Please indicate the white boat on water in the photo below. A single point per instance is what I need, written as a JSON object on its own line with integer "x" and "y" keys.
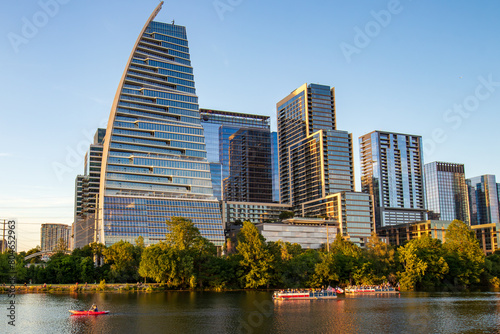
{"x": 371, "y": 289}
{"x": 304, "y": 294}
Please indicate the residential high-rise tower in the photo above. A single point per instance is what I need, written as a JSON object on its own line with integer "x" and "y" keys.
{"x": 315, "y": 159}
{"x": 51, "y": 234}
{"x": 392, "y": 171}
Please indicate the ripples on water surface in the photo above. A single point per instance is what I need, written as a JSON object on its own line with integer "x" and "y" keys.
{"x": 254, "y": 312}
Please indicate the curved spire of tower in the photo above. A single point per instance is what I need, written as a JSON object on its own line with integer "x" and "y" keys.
{"x": 154, "y": 164}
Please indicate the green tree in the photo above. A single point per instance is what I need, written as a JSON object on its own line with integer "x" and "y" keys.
{"x": 166, "y": 264}
{"x": 87, "y": 270}
{"x": 122, "y": 257}
{"x": 326, "y": 272}
{"x": 286, "y": 214}
{"x": 183, "y": 234}
{"x": 463, "y": 254}
{"x": 220, "y": 272}
{"x": 185, "y": 237}
{"x": 97, "y": 252}
{"x": 347, "y": 257}
{"x": 283, "y": 253}
{"x": 256, "y": 262}
{"x": 61, "y": 246}
{"x": 382, "y": 258}
{"x": 424, "y": 263}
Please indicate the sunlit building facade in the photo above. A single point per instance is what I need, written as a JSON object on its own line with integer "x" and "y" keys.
{"x": 315, "y": 159}
{"x": 155, "y": 162}
{"x": 400, "y": 234}
{"x": 52, "y": 234}
{"x": 483, "y": 197}
{"x": 353, "y": 212}
{"x": 446, "y": 190}
{"x": 238, "y": 212}
{"x": 392, "y": 172}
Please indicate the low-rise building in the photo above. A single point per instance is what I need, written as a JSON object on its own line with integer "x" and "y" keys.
{"x": 312, "y": 233}
{"x": 352, "y": 210}
{"x": 237, "y": 212}
{"x": 399, "y": 235}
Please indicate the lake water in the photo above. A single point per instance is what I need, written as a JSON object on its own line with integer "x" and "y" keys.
{"x": 254, "y": 312}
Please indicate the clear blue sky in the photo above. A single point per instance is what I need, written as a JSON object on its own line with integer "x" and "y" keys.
{"x": 415, "y": 69}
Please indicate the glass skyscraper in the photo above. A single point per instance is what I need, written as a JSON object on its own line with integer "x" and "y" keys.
{"x": 446, "y": 190}
{"x": 250, "y": 169}
{"x": 219, "y": 126}
{"x": 275, "y": 166}
{"x": 315, "y": 159}
{"x": 86, "y": 193}
{"x": 154, "y": 160}
{"x": 392, "y": 171}
{"x": 484, "y": 198}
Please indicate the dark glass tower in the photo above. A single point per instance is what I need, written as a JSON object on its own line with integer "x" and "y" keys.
{"x": 250, "y": 170}
{"x": 219, "y": 126}
{"x": 155, "y": 161}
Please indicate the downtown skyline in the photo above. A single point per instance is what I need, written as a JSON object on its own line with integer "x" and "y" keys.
{"x": 425, "y": 73}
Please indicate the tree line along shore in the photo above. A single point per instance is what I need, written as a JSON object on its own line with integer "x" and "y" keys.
{"x": 186, "y": 260}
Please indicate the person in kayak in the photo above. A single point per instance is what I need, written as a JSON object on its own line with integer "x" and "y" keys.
{"x": 94, "y": 308}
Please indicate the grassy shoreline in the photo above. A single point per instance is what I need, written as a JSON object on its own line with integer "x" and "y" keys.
{"x": 83, "y": 288}
{"x": 108, "y": 287}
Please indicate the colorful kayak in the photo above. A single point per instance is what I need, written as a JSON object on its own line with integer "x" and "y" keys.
{"x": 81, "y": 312}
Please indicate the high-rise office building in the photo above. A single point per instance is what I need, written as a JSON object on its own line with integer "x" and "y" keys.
{"x": 155, "y": 163}
{"x": 51, "y": 234}
{"x": 219, "y": 126}
{"x": 86, "y": 192}
{"x": 250, "y": 169}
{"x": 446, "y": 190}
{"x": 483, "y": 197}
{"x": 275, "y": 166}
{"x": 392, "y": 172}
{"x": 315, "y": 159}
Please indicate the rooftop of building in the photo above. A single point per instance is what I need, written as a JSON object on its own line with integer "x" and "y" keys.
{"x": 232, "y": 113}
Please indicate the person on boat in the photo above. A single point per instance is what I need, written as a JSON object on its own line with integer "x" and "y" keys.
{"x": 94, "y": 308}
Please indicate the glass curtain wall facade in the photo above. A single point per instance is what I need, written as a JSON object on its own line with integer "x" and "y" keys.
{"x": 155, "y": 161}
{"x": 353, "y": 211}
{"x": 250, "y": 170}
{"x": 392, "y": 172}
{"x": 86, "y": 192}
{"x": 219, "y": 127}
{"x": 446, "y": 190}
{"x": 483, "y": 195}
{"x": 275, "y": 167}
{"x": 315, "y": 159}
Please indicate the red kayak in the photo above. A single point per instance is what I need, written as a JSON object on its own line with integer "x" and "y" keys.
{"x": 81, "y": 312}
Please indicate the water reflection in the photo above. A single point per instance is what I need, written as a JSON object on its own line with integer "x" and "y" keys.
{"x": 255, "y": 312}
